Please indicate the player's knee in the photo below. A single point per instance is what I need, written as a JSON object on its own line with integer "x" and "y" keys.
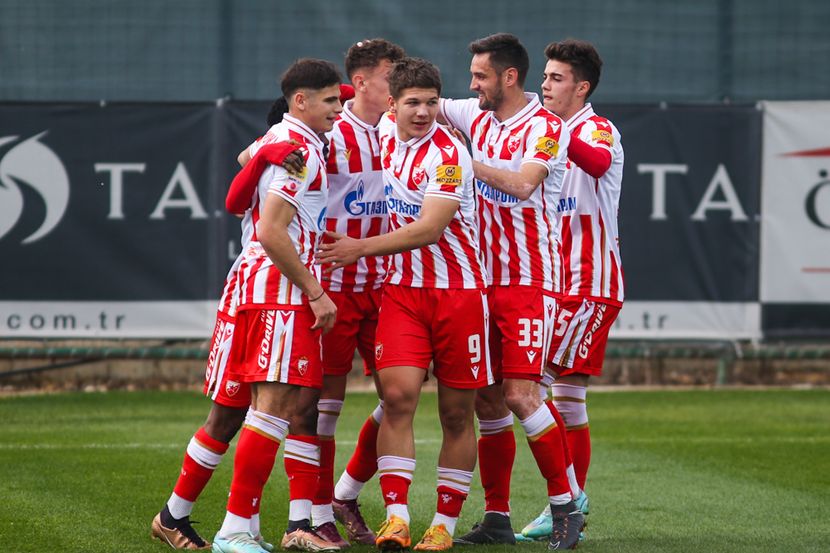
{"x": 456, "y": 419}
{"x": 399, "y": 401}
{"x": 224, "y": 422}
{"x": 520, "y": 402}
{"x": 490, "y": 406}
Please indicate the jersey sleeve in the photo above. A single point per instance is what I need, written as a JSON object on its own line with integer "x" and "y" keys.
{"x": 460, "y": 113}
{"x": 599, "y": 133}
{"x": 546, "y": 143}
{"x": 291, "y": 187}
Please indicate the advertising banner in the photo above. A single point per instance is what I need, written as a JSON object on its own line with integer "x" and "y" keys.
{"x": 112, "y": 220}
{"x": 795, "y": 229}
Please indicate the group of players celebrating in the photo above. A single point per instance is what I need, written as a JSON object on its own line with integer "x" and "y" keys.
{"x": 368, "y": 225}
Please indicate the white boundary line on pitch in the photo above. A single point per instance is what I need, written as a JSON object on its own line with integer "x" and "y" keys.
{"x": 181, "y": 445}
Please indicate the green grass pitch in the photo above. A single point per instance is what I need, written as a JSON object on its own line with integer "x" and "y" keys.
{"x": 733, "y": 471}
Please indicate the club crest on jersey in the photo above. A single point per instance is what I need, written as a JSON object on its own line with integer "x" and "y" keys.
{"x": 548, "y": 146}
{"x": 231, "y": 388}
{"x": 448, "y": 175}
{"x": 513, "y": 143}
{"x": 378, "y": 351}
{"x": 418, "y": 174}
{"x": 302, "y": 365}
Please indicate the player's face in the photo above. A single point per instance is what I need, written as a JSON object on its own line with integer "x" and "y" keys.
{"x": 560, "y": 89}
{"x": 373, "y": 84}
{"x": 486, "y": 82}
{"x": 415, "y": 111}
{"x": 321, "y": 108}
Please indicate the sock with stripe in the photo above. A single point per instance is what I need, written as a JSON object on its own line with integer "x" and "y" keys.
{"x": 560, "y": 424}
{"x": 547, "y": 447}
{"x": 302, "y": 466}
{"x": 395, "y": 479}
{"x": 453, "y": 488}
{"x": 329, "y": 411}
{"x": 202, "y": 456}
{"x": 256, "y": 452}
{"x": 570, "y": 402}
{"x": 496, "y": 453}
{"x": 363, "y": 463}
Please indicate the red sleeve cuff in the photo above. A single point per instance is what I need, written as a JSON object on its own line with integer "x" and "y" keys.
{"x": 592, "y": 160}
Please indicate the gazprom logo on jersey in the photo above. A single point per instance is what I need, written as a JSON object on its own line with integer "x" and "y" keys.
{"x": 355, "y": 205}
{"x": 396, "y": 205}
{"x": 321, "y": 220}
{"x": 494, "y": 195}
{"x": 566, "y": 204}
{"x": 30, "y": 163}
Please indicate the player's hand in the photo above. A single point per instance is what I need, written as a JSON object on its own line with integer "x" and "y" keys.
{"x": 286, "y": 154}
{"x": 325, "y": 312}
{"x": 338, "y": 250}
{"x": 458, "y": 134}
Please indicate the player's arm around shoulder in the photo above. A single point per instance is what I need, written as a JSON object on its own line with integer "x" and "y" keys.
{"x": 285, "y": 192}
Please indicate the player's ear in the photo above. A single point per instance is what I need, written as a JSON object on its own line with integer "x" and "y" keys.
{"x": 510, "y": 76}
{"x": 583, "y": 88}
{"x": 391, "y": 102}
{"x": 300, "y": 100}
{"x": 359, "y": 81}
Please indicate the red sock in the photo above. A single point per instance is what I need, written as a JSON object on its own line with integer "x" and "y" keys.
{"x": 563, "y": 432}
{"x": 548, "y": 450}
{"x": 579, "y": 442}
{"x": 325, "y": 485}
{"x": 450, "y": 501}
{"x": 252, "y": 464}
{"x": 302, "y": 465}
{"x": 395, "y": 489}
{"x": 194, "y": 476}
{"x": 364, "y": 461}
{"x": 496, "y": 453}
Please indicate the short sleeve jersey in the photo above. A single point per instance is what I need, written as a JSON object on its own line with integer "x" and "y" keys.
{"x": 435, "y": 165}
{"x": 518, "y": 237}
{"x": 588, "y": 210}
{"x": 357, "y": 207}
{"x": 261, "y": 285}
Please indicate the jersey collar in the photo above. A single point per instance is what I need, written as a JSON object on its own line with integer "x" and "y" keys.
{"x": 416, "y": 142}
{"x": 580, "y": 116}
{"x": 348, "y": 115}
{"x": 310, "y": 136}
{"x": 520, "y": 117}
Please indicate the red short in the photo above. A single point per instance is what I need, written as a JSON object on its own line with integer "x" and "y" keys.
{"x": 218, "y": 386}
{"x": 277, "y": 345}
{"x": 357, "y": 320}
{"x": 521, "y": 324}
{"x": 581, "y": 334}
{"x": 447, "y": 327}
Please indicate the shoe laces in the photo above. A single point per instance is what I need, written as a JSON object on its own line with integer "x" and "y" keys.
{"x": 185, "y": 526}
{"x": 433, "y": 535}
{"x": 559, "y": 526}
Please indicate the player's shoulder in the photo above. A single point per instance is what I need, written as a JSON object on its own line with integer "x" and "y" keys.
{"x": 447, "y": 142}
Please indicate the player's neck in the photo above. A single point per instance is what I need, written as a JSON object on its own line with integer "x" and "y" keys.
{"x": 513, "y": 103}
{"x": 361, "y": 109}
{"x": 569, "y": 112}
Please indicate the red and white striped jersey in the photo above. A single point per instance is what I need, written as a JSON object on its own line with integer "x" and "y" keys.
{"x": 261, "y": 285}
{"x": 436, "y": 164}
{"x": 588, "y": 210}
{"x": 518, "y": 237}
{"x": 356, "y": 206}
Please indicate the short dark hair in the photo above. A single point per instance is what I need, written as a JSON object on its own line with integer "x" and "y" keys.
{"x": 505, "y": 51}
{"x": 308, "y": 73}
{"x": 581, "y": 56}
{"x": 370, "y": 52}
{"x": 413, "y": 73}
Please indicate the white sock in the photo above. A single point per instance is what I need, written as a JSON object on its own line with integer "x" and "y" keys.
{"x": 399, "y": 510}
{"x": 448, "y": 522}
{"x": 321, "y": 514}
{"x": 179, "y": 507}
{"x": 347, "y": 488}
{"x": 560, "y": 499}
{"x": 255, "y": 530}
{"x": 299, "y": 509}
{"x": 234, "y": 524}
